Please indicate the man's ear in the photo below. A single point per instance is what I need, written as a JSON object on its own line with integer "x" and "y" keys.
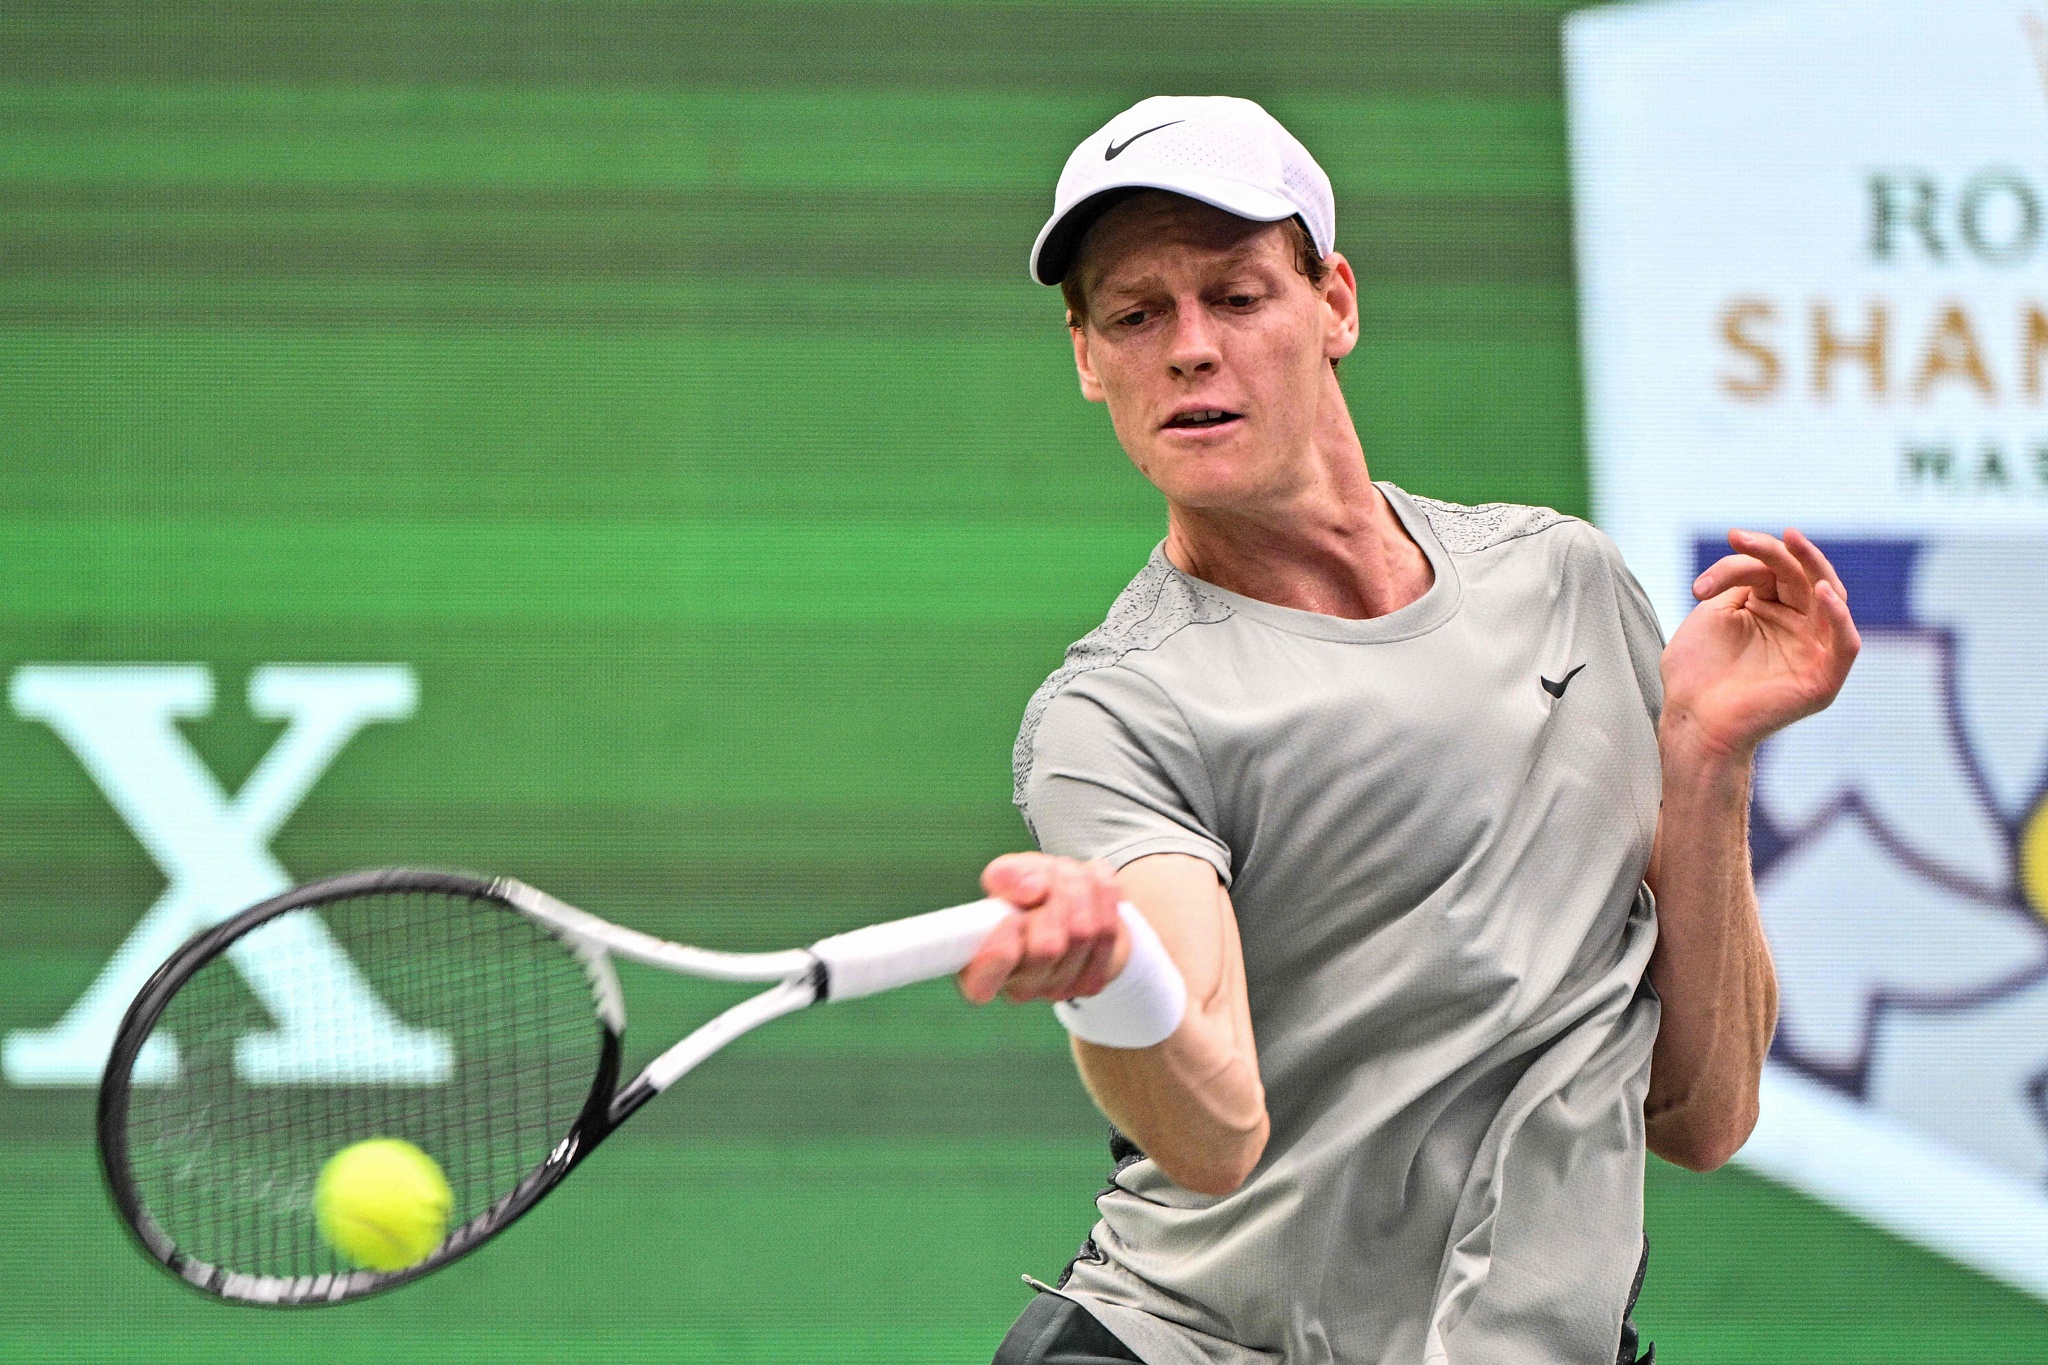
{"x": 1091, "y": 385}
{"x": 1340, "y": 309}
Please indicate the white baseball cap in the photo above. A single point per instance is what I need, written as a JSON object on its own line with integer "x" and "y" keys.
{"x": 1224, "y": 151}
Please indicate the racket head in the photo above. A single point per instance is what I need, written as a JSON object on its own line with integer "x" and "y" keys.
{"x": 497, "y": 1052}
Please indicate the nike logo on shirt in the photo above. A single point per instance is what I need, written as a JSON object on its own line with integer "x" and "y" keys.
{"x": 1116, "y": 149}
{"x": 1556, "y": 689}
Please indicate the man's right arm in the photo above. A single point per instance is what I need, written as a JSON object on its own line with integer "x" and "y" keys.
{"x": 1194, "y": 1102}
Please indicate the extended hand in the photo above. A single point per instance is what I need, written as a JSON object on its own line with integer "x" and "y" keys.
{"x": 1770, "y": 642}
{"x": 1071, "y": 941}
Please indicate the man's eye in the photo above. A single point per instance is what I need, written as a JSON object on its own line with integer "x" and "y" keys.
{"x": 1240, "y": 300}
{"x": 1132, "y": 319}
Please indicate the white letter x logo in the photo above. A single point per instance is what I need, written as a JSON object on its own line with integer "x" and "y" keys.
{"x": 119, "y": 721}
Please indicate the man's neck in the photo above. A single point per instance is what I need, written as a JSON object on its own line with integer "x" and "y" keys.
{"x": 1334, "y": 546}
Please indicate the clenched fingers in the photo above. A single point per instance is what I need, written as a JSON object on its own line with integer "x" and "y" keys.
{"x": 1061, "y": 936}
{"x": 1062, "y": 944}
{"x": 1105, "y": 960}
{"x": 992, "y": 964}
{"x": 1022, "y": 879}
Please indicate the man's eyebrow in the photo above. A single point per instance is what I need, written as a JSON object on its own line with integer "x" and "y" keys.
{"x": 1136, "y": 285}
{"x": 1242, "y": 252}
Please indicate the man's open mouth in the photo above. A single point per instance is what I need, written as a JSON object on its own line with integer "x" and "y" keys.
{"x": 1201, "y": 417}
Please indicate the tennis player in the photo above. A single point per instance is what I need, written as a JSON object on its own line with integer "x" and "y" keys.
{"x": 1447, "y": 845}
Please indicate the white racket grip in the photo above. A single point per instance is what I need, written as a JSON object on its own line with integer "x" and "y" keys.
{"x": 1142, "y": 1006}
{"x": 882, "y": 957}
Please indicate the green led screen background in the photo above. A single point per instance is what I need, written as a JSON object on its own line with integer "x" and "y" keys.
{"x": 661, "y": 386}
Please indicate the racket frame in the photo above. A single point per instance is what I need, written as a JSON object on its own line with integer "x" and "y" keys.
{"x": 846, "y": 966}
{"x": 797, "y": 974}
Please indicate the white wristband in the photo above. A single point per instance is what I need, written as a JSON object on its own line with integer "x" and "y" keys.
{"x": 1142, "y": 1006}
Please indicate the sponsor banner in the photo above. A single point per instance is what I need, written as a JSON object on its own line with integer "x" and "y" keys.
{"x": 1813, "y": 252}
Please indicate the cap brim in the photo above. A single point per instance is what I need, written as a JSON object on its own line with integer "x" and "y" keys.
{"x": 1052, "y": 255}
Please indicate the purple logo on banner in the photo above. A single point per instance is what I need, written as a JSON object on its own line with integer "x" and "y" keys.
{"x": 1901, "y": 848}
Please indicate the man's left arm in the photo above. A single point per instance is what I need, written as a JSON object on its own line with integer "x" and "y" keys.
{"x": 1770, "y": 641}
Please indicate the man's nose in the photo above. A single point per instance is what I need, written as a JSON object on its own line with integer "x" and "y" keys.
{"x": 1194, "y": 349}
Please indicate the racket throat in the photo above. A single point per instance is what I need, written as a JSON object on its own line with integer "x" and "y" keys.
{"x": 627, "y": 1103}
{"x": 801, "y": 990}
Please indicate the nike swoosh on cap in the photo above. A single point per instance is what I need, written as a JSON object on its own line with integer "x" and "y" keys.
{"x": 1115, "y": 148}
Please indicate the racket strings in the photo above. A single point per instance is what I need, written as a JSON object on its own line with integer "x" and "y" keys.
{"x": 445, "y": 1020}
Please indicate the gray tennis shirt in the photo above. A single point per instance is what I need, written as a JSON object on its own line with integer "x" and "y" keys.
{"x": 1434, "y": 826}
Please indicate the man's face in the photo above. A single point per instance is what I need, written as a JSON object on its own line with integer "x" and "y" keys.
{"x": 1192, "y": 313}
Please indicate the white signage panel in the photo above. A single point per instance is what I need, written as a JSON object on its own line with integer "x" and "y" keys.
{"x": 1813, "y": 255}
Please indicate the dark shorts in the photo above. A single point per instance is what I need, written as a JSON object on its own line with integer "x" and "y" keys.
{"x": 1057, "y": 1331}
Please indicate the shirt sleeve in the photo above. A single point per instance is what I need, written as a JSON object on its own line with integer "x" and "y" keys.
{"x": 1639, "y": 627}
{"x": 1114, "y": 773}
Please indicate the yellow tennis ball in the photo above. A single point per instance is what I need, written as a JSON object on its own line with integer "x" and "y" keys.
{"x": 382, "y": 1203}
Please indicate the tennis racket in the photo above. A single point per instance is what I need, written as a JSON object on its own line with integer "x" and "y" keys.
{"x": 480, "y": 1020}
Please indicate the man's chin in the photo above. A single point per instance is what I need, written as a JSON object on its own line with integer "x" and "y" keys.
{"x": 1213, "y": 484}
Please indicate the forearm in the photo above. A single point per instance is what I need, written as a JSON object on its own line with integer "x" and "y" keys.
{"x": 1712, "y": 967}
{"x": 1194, "y": 1103}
